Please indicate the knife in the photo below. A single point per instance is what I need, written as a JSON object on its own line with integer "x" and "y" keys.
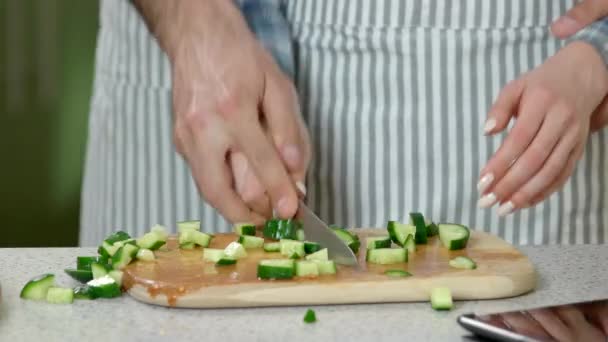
{"x": 316, "y": 230}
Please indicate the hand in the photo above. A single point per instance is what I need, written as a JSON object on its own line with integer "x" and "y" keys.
{"x": 553, "y": 105}
{"x": 231, "y": 103}
{"x": 580, "y": 16}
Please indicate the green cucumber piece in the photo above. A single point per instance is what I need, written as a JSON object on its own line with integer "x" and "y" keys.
{"x": 453, "y": 236}
{"x": 249, "y": 241}
{"x": 463, "y": 262}
{"x": 60, "y": 295}
{"x": 104, "y": 287}
{"x": 441, "y": 298}
{"x": 244, "y": 228}
{"x": 225, "y": 261}
{"x": 432, "y": 229}
{"x": 151, "y": 241}
{"x": 281, "y": 229}
{"x": 300, "y": 236}
{"x": 307, "y": 269}
{"x": 107, "y": 250}
{"x": 83, "y": 292}
{"x": 409, "y": 244}
{"x": 117, "y": 276}
{"x": 201, "y": 239}
{"x": 98, "y": 270}
{"x": 326, "y": 267}
{"x": 351, "y": 240}
{"x": 117, "y": 236}
{"x": 187, "y": 245}
{"x": 417, "y": 220}
{"x": 276, "y": 269}
{"x": 399, "y": 231}
{"x": 321, "y": 255}
{"x": 292, "y": 248}
{"x": 124, "y": 255}
{"x": 80, "y": 275}
{"x": 235, "y": 250}
{"x": 272, "y": 247}
{"x": 37, "y": 288}
{"x": 397, "y": 273}
{"x": 311, "y": 247}
{"x": 310, "y": 316}
{"x": 84, "y": 262}
{"x": 160, "y": 231}
{"x": 145, "y": 255}
{"x": 212, "y": 254}
{"x": 185, "y": 225}
{"x": 386, "y": 256}
{"x": 374, "y": 242}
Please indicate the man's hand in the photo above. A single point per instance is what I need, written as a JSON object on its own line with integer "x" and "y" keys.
{"x": 232, "y": 105}
{"x": 580, "y": 16}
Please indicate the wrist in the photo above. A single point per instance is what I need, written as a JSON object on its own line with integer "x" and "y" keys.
{"x": 590, "y": 62}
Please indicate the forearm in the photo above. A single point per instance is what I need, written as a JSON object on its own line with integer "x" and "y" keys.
{"x": 596, "y": 35}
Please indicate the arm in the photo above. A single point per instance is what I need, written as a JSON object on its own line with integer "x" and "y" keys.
{"x": 596, "y": 34}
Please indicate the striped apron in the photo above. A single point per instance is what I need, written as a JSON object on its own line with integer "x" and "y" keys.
{"x": 394, "y": 93}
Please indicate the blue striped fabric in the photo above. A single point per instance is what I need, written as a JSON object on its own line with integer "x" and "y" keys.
{"x": 596, "y": 34}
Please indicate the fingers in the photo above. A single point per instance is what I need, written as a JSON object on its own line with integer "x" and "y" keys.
{"x": 580, "y": 16}
{"x": 599, "y": 119}
{"x": 248, "y": 187}
{"x": 525, "y": 325}
{"x": 533, "y": 159}
{"x": 552, "y": 324}
{"x": 519, "y": 138}
{"x": 504, "y": 108}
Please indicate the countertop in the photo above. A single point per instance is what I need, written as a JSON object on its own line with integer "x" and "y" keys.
{"x": 566, "y": 274}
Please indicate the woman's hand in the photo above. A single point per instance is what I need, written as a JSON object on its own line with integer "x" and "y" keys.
{"x": 578, "y": 17}
{"x": 233, "y": 107}
{"x": 553, "y": 105}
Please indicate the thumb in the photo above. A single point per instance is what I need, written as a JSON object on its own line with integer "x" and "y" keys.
{"x": 581, "y": 15}
{"x": 599, "y": 119}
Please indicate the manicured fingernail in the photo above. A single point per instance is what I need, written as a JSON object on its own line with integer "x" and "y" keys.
{"x": 568, "y": 23}
{"x": 489, "y": 126}
{"x": 291, "y": 155}
{"x": 484, "y": 182}
{"x": 505, "y": 209}
{"x": 487, "y": 201}
{"x": 301, "y": 187}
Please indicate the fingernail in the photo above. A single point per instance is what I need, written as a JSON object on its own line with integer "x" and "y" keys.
{"x": 484, "y": 182}
{"x": 283, "y": 206}
{"x": 568, "y": 23}
{"x": 505, "y": 209}
{"x": 301, "y": 187}
{"x": 291, "y": 155}
{"x": 487, "y": 201}
{"x": 489, "y": 125}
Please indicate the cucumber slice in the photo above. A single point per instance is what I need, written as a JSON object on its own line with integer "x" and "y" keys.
{"x": 351, "y": 240}
{"x": 463, "y": 262}
{"x": 244, "y": 228}
{"x": 311, "y": 247}
{"x": 235, "y": 250}
{"x": 374, "y": 242}
{"x": 441, "y": 298}
{"x": 249, "y": 241}
{"x": 397, "y": 273}
{"x": 399, "y": 231}
{"x": 104, "y": 287}
{"x": 307, "y": 269}
{"x": 79, "y": 275}
{"x": 453, "y": 236}
{"x": 281, "y": 229}
{"x": 387, "y": 256}
{"x": 300, "y": 236}
{"x": 84, "y": 262}
{"x": 160, "y": 231}
{"x": 212, "y": 254}
{"x": 98, "y": 270}
{"x": 185, "y": 225}
{"x": 272, "y": 247}
{"x": 60, "y": 295}
{"x": 124, "y": 255}
{"x": 37, "y": 288}
{"x": 107, "y": 250}
{"x": 151, "y": 241}
{"x": 321, "y": 255}
{"x": 117, "y": 236}
{"x": 417, "y": 220}
{"x": 310, "y": 316}
{"x": 432, "y": 229}
{"x": 145, "y": 255}
{"x": 225, "y": 261}
{"x": 276, "y": 269}
{"x": 83, "y": 292}
{"x": 292, "y": 248}
{"x": 117, "y": 276}
{"x": 409, "y": 244}
{"x": 187, "y": 245}
{"x": 201, "y": 239}
{"x": 326, "y": 266}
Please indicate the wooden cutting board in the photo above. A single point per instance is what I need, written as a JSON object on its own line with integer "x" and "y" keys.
{"x": 181, "y": 278}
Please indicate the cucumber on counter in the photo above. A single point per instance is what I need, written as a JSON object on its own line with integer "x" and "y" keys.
{"x": 350, "y": 239}
{"x": 281, "y": 229}
{"x": 321, "y": 255}
{"x": 188, "y": 238}
{"x": 409, "y": 244}
{"x": 145, "y": 255}
{"x": 432, "y": 229}
{"x": 185, "y": 225}
{"x": 441, "y": 298}
{"x": 453, "y": 236}
{"x": 249, "y": 241}
{"x": 463, "y": 262}
{"x": 421, "y": 235}
{"x": 152, "y": 240}
{"x": 292, "y": 248}
{"x": 374, "y": 242}
{"x": 276, "y": 269}
{"x": 399, "y": 232}
{"x": 235, "y": 250}
{"x": 123, "y": 256}
{"x": 386, "y": 256}
{"x": 300, "y": 236}
{"x": 310, "y": 316}
{"x": 326, "y": 267}
{"x": 307, "y": 269}
{"x": 38, "y": 287}
{"x": 397, "y": 273}
{"x": 83, "y": 292}
{"x": 98, "y": 270}
{"x": 84, "y": 262}
{"x": 212, "y": 254}
{"x": 60, "y": 295}
{"x": 311, "y": 247}
{"x": 225, "y": 261}
{"x": 104, "y": 287}
{"x": 109, "y": 246}
{"x": 244, "y": 229}
{"x": 272, "y": 247}
{"x": 79, "y": 275}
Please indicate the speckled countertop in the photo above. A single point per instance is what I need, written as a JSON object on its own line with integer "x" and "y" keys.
{"x": 567, "y": 274}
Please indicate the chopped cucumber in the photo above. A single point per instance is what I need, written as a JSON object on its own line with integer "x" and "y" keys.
{"x": 84, "y": 262}
{"x": 124, "y": 255}
{"x": 292, "y": 248}
{"x": 386, "y": 256}
{"x": 307, "y": 269}
{"x": 463, "y": 262}
{"x": 432, "y": 229}
{"x": 281, "y": 229}
{"x": 453, "y": 236}
{"x": 37, "y": 288}
{"x": 104, "y": 287}
{"x": 83, "y": 292}
{"x": 151, "y": 241}
{"x": 60, "y": 295}
{"x": 185, "y": 225}
{"x": 117, "y": 276}
{"x": 225, "y": 261}
{"x": 272, "y": 247}
{"x": 98, "y": 270}
{"x": 310, "y": 316}
{"x": 326, "y": 266}
{"x": 311, "y": 247}
{"x": 145, "y": 255}
{"x": 321, "y": 255}
{"x": 374, "y": 242}
{"x": 107, "y": 250}
{"x": 80, "y": 275}
{"x": 399, "y": 231}
{"x": 409, "y": 244}
{"x": 117, "y": 236}
{"x": 201, "y": 239}
{"x": 300, "y": 236}
{"x": 249, "y": 241}
{"x": 212, "y": 254}
{"x": 417, "y": 220}
{"x": 187, "y": 245}
{"x": 441, "y": 298}
{"x": 160, "y": 231}
{"x": 276, "y": 269}
{"x": 244, "y": 228}
{"x": 351, "y": 240}
{"x": 235, "y": 250}
{"x": 397, "y": 273}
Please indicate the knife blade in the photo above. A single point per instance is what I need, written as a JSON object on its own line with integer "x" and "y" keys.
{"x": 316, "y": 230}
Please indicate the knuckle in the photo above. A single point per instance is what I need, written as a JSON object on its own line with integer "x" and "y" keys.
{"x": 543, "y": 94}
{"x": 195, "y": 120}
